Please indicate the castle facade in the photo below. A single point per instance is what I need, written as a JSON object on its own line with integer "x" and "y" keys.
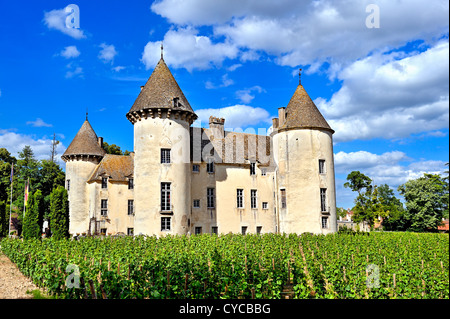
{"x": 189, "y": 180}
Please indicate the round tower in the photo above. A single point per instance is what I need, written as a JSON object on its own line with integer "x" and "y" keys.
{"x": 81, "y": 157}
{"x": 161, "y": 116}
{"x": 305, "y": 182}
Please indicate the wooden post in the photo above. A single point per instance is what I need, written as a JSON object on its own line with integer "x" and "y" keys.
{"x": 395, "y": 284}
{"x": 289, "y": 273}
{"x": 118, "y": 268}
{"x": 104, "y": 295}
{"x": 345, "y": 278}
{"x": 84, "y": 287}
{"x": 92, "y": 288}
{"x": 185, "y": 284}
{"x": 253, "y": 292}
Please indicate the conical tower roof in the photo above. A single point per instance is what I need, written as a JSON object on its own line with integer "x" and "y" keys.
{"x": 84, "y": 143}
{"x": 161, "y": 92}
{"x": 301, "y": 112}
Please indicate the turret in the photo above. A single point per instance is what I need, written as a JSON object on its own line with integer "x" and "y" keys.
{"x": 162, "y": 116}
{"x": 81, "y": 157}
{"x": 305, "y": 182}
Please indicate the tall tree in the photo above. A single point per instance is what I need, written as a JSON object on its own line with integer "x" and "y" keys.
{"x": 53, "y": 153}
{"x": 426, "y": 201}
{"x": 59, "y": 213}
{"x": 32, "y": 223}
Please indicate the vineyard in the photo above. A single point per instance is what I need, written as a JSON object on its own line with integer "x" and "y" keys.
{"x": 374, "y": 265}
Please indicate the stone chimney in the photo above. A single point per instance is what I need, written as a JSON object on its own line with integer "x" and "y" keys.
{"x": 217, "y": 126}
{"x": 281, "y": 115}
{"x": 100, "y": 141}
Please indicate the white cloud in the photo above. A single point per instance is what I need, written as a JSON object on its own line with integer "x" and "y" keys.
{"x": 118, "y": 68}
{"x": 41, "y": 147}
{"x": 56, "y": 19}
{"x": 74, "y": 71}
{"x": 392, "y": 168}
{"x": 107, "y": 53}
{"x": 391, "y": 95}
{"x": 196, "y": 52}
{"x": 39, "y": 123}
{"x": 245, "y": 95}
{"x": 233, "y": 116}
{"x": 308, "y": 32}
{"x": 70, "y": 52}
{"x": 224, "y": 83}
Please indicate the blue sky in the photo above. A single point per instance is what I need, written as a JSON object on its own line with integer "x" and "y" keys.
{"x": 385, "y": 90}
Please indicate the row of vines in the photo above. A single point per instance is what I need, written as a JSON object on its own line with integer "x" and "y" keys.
{"x": 375, "y": 265}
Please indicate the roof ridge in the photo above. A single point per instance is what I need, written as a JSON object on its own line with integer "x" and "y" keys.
{"x": 161, "y": 91}
{"x": 85, "y": 142}
{"x": 301, "y": 112}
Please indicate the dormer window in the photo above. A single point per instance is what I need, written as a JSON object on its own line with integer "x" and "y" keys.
{"x": 104, "y": 182}
{"x": 176, "y": 101}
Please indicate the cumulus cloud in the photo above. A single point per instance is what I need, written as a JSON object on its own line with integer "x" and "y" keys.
{"x": 56, "y": 20}
{"x": 107, "y": 53}
{"x": 70, "y": 52}
{"x": 391, "y": 95}
{"x": 308, "y": 32}
{"x": 233, "y": 116}
{"x": 246, "y": 96}
{"x": 73, "y": 71}
{"x": 196, "y": 52}
{"x": 392, "y": 168}
{"x": 15, "y": 142}
{"x": 39, "y": 123}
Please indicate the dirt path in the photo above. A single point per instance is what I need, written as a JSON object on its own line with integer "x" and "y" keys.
{"x": 13, "y": 284}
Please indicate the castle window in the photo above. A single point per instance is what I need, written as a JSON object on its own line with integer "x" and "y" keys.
{"x": 253, "y": 197}
{"x": 130, "y": 207}
{"x": 265, "y": 205}
{"x": 324, "y": 222}
{"x": 210, "y": 166}
{"x": 130, "y": 183}
{"x": 323, "y": 199}
{"x": 196, "y": 168}
{"x": 321, "y": 166}
{"x": 165, "y": 196}
{"x": 283, "y": 198}
{"x": 104, "y": 182}
{"x": 253, "y": 168}
{"x": 258, "y": 229}
{"x": 68, "y": 185}
{"x": 165, "y": 155}
{"x": 240, "y": 198}
{"x": 196, "y": 203}
{"x": 165, "y": 223}
{"x": 244, "y": 230}
{"x": 210, "y": 197}
{"x": 130, "y": 231}
{"x": 198, "y": 230}
{"x": 104, "y": 207}
{"x": 263, "y": 171}
{"x": 214, "y": 230}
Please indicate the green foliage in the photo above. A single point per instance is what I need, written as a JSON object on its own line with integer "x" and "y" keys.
{"x": 113, "y": 149}
{"x": 426, "y": 202}
{"x": 4, "y": 220}
{"x": 59, "y": 213}
{"x": 231, "y": 266}
{"x": 32, "y": 223}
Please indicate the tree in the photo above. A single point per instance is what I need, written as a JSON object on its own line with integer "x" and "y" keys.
{"x": 59, "y": 213}
{"x": 395, "y": 217}
{"x": 426, "y": 201}
{"x": 32, "y": 223}
{"x": 113, "y": 149}
{"x": 4, "y": 220}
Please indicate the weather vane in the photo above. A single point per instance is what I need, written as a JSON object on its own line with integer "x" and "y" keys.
{"x": 162, "y": 50}
{"x": 300, "y": 76}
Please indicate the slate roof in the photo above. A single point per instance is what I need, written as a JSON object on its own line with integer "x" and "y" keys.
{"x": 84, "y": 143}
{"x": 160, "y": 91}
{"x": 233, "y": 148}
{"x": 118, "y": 168}
{"x": 301, "y": 112}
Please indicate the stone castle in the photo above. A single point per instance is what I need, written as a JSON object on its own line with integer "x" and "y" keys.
{"x": 189, "y": 180}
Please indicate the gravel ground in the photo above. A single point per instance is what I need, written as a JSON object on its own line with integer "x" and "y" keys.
{"x": 13, "y": 284}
